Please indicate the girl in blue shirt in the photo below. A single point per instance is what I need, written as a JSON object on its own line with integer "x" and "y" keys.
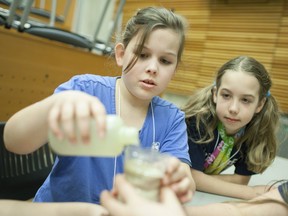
{"x": 149, "y": 54}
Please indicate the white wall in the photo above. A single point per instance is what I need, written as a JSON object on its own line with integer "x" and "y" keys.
{"x": 87, "y": 16}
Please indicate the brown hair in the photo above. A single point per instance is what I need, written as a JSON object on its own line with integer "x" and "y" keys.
{"x": 262, "y": 148}
{"x": 147, "y": 20}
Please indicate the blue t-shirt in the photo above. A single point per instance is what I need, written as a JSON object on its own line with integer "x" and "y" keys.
{"x": 84, "y": 178}
{"x": 199, "y": 152}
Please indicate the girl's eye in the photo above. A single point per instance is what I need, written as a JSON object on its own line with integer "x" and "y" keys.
{"x": 225, "y": 96}
{"x": 165, "y": 61}
{"x": 245, "y": 100}
{"x": 143, "y": 55}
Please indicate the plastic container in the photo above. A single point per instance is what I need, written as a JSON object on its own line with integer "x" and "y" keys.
{"x": 117, "y": 137}
{"x": 145, "y": 168}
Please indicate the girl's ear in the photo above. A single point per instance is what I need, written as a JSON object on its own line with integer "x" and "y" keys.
{"x": 119, "y": 53}
{"x": 260, "y": 105}
{"x": 214, "y": 92}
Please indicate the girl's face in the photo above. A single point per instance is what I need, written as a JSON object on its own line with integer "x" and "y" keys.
{"x": 155, "y": 66}
{"x": 237, "y": 100}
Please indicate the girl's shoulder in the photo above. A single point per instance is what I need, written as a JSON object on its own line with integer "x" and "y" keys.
{"x": 166, "y": 112}
{"x": 89, "y": 83}
{"x": 94, "y": 78}
{"x": 161, "y": 102}
{"x": 164, "y": 106}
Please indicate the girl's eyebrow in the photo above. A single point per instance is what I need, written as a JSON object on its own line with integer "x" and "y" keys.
{"x": 168, "y": 52}
{"x": 245, "y": 95}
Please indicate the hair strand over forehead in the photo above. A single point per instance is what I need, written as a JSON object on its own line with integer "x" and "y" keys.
{"x": 149, "y": 19}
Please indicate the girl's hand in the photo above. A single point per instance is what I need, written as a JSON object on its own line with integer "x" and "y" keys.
{"x": 132, "y": 204}
{"x": 70, "y": 107}
{"x": 178, "y": 177}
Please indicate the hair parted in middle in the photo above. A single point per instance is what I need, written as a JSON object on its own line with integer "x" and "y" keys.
{"x": 262, "y": 149}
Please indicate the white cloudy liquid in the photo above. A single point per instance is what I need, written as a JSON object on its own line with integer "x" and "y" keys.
{"x": 144, "y": 177}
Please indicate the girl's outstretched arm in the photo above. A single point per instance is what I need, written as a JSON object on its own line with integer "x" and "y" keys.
{"x": 268, "y": 204}
{"x": 27, "y": 130}
{"x": 24, "y": 208}
{"x": 217, "y": 185}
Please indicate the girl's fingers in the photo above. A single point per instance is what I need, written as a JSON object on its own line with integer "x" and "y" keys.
{"x": 126, "y": 191}
{"x": 181, "y": 186}
{"x": 112, "y": 204}
{"x": 174, "y": 173}
{"x": 67, "y": 121}
{"x": 98, "y": 111}
{"x": 168, "y": 196}
{"x": 183, "y": 190}
{"x": 170, "y": 200}
{"x": 173, "y": 164}
{"x": 177, "y": 178}
{"x": 122, "y": 188}
{"x": 74, "y": 109}
{"x": 126, "y": 196}
{"x": 82, "y": 111}
{"x": 53, "y": 122}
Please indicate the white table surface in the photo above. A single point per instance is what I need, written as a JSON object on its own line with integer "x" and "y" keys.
{"x": 277, "y": 171}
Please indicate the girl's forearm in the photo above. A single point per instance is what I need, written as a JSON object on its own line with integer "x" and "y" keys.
{"x": 27, "y": 129}
{"x": 210, "y": 184}
{"x": 234, "y": 178}
{"x": 213, "y": 209}
{"x": 23, "y": 208}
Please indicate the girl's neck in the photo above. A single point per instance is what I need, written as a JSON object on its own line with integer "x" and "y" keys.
{"x": 131, "y": 109}
{"x": 236, "y": 134}
{"x": 127, "y": 98}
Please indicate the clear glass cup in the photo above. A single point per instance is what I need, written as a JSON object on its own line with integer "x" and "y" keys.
{"x": 144, "y": 168}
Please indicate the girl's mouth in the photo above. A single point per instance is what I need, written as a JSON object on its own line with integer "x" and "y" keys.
{"x": 148, "y": 83}
{"x": 231, "y": 119}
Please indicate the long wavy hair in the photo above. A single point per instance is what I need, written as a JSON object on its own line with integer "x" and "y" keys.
{"x": 260, "y": 132}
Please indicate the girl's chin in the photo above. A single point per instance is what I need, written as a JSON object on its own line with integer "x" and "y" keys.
{"x": 231, "y": 130}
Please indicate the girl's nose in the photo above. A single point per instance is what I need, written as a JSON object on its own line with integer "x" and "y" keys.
{"x": 234, "y": 107}
{"x": 152, "y": 67}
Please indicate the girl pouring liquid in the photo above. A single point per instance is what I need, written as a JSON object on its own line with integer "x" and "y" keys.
{"x": 149, "y": 54}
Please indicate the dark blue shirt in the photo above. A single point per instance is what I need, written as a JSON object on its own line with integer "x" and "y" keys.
{"x": 199, "y": 152}
{"x": 283, "y": 190}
